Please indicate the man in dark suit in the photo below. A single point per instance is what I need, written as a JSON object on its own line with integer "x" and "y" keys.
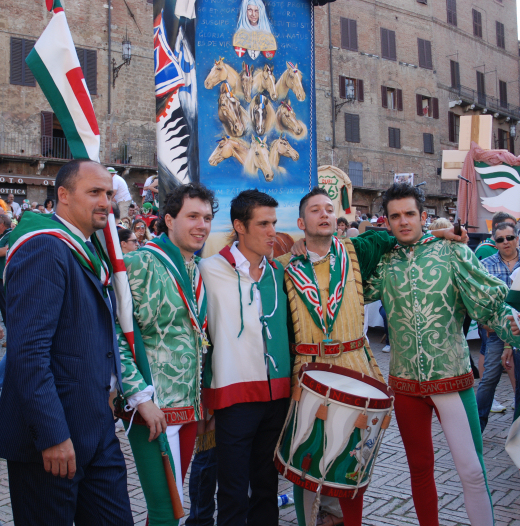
{"x": 56, "y": 428}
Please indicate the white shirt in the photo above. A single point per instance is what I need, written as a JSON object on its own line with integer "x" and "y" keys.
{"x": 79, "y": 233}
{"x": 121, "y": 192}
{"x": 17, "y": 209}
{"x": 148, "y": 182}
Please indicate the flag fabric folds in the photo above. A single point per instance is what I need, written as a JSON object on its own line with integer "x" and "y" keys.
{"x": 345, "y": 202}
{"x": 55, "y": 65}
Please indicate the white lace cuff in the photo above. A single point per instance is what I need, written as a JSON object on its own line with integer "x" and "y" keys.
{"x": 139, "y": 398}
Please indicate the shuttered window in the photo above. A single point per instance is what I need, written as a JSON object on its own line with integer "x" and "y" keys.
{"x": 427, "y": 106}
{"x": 88, "y": 62}
{"x": 477, "y": 23}
{"x": 46, "y": 125}
{"x": 455, "y": 74}
{"x": 453, "y": 127}
{"x": 394, "y": 138}
{"x": 357, "y": 84}
{"x": 392, "y": 98}
{"x": 425, "y": 53}
{"x": 481, "y": 88}
{"x": 352, "y": 127}
{"x": 451, "y": 11}
{"x": 503, "y": 93}
{"x": 388, "y": 49}
{"x": 20, "y": 74}
{"x": 501, "y": 35}
{"x": 428, "y": 142}
{"x": 349, "y": 34}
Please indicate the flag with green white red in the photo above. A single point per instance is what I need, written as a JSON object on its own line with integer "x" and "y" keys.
{"x": 55, "y": 65}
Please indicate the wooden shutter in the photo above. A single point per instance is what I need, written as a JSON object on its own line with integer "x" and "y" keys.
{"x": 451, "y": 7}
{"x": 477, "y": 23}
{"x": 384, "y": 97}
{"x": 345, "y": 38}
{"x": 352, "y": 30}
{"x": 28, "y": 77}
{"x": 435, "y": 107}
{"x": 418, "y": 101}
{"x": 451, "y": 126}
{"x": 391, "y": 139}
{"x": 342, "y": 89}
{"x": 501, "y": 41}
{"x": 46, "y": 119}
{"x": 352, "y": 127}
{"x": 425, "y": 53}
{"x": 481, "y": 85}
{"x": 17, "y": 64}
{"x": 91, "y": 73}
{"x": 428, "y": 142}
{"x": 384, "y": 43}
{"x": 503, "y": 93}
{"x": 422, "y": 56}
{"x": 391, "y": 45}
{"x": 360, "y": 91}
{"x": 455, "y": 74}
{"x": 394, "y": 138}
{"x": 399, "y": 99}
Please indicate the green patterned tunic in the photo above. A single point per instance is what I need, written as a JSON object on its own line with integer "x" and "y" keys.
{"x": 426, "y": 290}
{"x": 170, "y": 342}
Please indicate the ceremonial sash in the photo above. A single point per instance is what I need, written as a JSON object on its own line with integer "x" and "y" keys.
{"x": 32, "y": 225}
{"x": 425, "y": 239}
{"x": 301, "y": 272}
{"x": 193, "y": 296}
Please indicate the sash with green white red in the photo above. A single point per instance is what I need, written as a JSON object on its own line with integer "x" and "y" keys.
{"x": 197, "y": 313}
{"x": 301, "y": 272}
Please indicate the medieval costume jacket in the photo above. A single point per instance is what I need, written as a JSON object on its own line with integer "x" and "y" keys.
{"x": 426, "y": 290}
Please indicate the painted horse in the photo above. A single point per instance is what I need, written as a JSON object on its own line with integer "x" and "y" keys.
{"x": 258, "y": 158}
{"x": 286, "y": 120}
{"x": 262, "y": 114}
{"x": 229, "y": 147}
{"x": 221, "y": 72}
{"x": 230, "y": 112}
{"x": 281, "y": 148}
{"x": 246, "y": 81}
{"x": 264, "y": 81}
{"x": 291, "y": 79}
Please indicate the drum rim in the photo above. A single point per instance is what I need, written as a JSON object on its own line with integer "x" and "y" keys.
{"x": 341, "y": 396}
{"x": 328, "y": 488}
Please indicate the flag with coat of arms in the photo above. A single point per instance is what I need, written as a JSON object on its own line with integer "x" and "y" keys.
{"x": 55, "y": 65}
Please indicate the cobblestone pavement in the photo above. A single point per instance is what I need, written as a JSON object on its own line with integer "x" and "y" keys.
{"x": 388, "y": 499}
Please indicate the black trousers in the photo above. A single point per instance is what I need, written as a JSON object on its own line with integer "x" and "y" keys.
{"x": 246, "y": 436}
{"x": 96, "y": 496}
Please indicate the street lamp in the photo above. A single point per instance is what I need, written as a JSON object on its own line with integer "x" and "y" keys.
{"x": 127, "y": 57}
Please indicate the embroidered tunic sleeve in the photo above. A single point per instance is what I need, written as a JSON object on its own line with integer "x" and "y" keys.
{"x": 370, "y": 248}
{"x": 483, "y": 294}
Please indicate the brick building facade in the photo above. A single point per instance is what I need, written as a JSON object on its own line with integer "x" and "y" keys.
{"x": 412, "y": 68}
{"x": 31, "y": 139}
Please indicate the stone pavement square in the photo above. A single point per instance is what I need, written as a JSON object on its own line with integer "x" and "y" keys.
{"x": 388, "y": 500}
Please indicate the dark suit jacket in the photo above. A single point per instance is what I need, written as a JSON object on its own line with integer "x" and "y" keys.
{"x": 61, "y": 353}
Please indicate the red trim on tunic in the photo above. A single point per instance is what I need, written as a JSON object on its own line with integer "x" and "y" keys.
{"x": 432, "y": 387}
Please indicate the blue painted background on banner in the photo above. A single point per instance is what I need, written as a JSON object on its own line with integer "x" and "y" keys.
{"x": 291, "y": 27}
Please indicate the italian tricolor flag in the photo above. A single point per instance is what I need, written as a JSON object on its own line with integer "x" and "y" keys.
{"x": 55, "y": 65}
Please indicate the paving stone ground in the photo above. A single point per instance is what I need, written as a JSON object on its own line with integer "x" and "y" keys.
{"x": 388, "y": 500}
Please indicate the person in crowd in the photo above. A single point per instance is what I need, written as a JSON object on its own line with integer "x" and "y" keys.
{"x": 117, "y": 215}
{"x": 49, "y": 206}
{"x": 151, "y": 189}
{"x": 488, "y": 247}
{"x": 342, "y": 227}
{"x": 170, "y": 311}
{"x": 121, "y": 193}
{"x": 41, "y": 209}
{"x": 321, "y": 262}
{"x": 5, "y": 232}
{"x": 442, "y": 222}
{"x": 430, "y": 367}
{"x": 147, "y": 214}
{"x": 127, "y": 240}
{"x": 354, "y": 224}
{"x": 34, "y": 206}
{"x": 501, "y": 265}
{"x": 141, "y": 231}
{"x": 146, "y": 186}
{"x": 14, "y": 206}
{"x": 352, "y": 232}
{"x": 126, "y": 223}
{"x": 57, "y": 432}
{"x": 248, "y": 391}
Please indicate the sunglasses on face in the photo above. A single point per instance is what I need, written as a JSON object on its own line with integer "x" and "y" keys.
{"x": 140, "y": 227}
{"x": 502, "y": 239}
{"x": 132, "y": 241}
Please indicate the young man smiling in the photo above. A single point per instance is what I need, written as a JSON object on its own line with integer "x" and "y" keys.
{"x": 246, "y": 377}
{"x": 170, "y": 312}
{"x": 427, "y": 285}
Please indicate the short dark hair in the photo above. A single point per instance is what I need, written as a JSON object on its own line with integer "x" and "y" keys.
{"x": 117, "y": 212}
{"x": 48, "y": 201}
{"x": 502, "y": 226}
{"x": 315, "y": 191}
{"x": 152, "y": 223}
{"x": 501, "y": 217}
{"x": 175, "y": 200}
{"x": 124, "y": 234}
{"x": 6, "y": 220}
{"x": 243, "y": 204}
{"x": 354, "y": 224}
{"x": 67, "y": 174}
{"x": 402, "y": 191}
{"x": 343, "y": 220}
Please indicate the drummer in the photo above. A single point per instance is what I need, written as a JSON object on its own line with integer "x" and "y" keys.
{"x": 322, "y": 263}
{"x": 427, "y": 286}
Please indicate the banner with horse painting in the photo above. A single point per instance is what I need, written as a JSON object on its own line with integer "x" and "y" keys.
{"x": 235, "y": 99}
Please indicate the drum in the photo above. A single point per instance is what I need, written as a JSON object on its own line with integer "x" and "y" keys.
{"x": 333, "y": 430}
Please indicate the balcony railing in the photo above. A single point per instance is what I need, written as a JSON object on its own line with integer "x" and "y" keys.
{"x": 471, "y": 96}
{"x": 135, "y": 151}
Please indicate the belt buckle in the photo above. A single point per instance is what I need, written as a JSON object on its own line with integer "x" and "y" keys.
{"x": 340, "y": 345}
